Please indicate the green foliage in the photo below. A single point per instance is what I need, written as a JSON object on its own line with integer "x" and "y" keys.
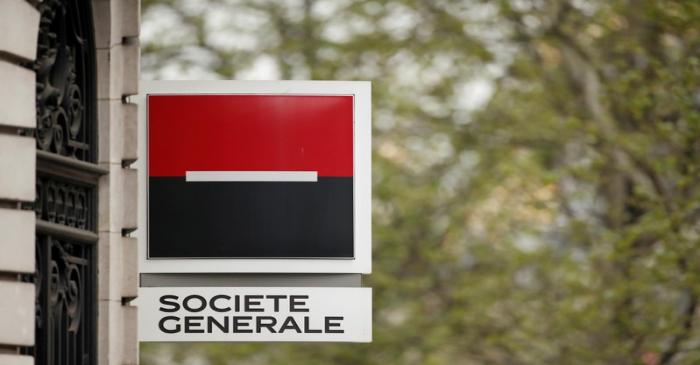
{"x": 536, "y": 168}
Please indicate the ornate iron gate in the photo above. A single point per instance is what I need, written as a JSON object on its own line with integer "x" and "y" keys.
{"x": 66, "y": 185}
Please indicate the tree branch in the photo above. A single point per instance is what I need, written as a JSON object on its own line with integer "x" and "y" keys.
{"x": 674, "y": 348}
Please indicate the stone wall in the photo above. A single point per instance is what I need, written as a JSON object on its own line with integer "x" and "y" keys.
{"x": 116, "y": 37}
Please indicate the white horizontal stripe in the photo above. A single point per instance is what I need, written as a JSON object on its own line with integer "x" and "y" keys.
{"x": 304, "y": 176}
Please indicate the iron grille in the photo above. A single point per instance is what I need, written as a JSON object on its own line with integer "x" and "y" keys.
{"x": 66, "y": 186}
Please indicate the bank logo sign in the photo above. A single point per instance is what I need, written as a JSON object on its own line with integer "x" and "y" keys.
{"x": 264, "y": 186}
{"x": 250, "y": 176}
{"x": 255, "y": 314}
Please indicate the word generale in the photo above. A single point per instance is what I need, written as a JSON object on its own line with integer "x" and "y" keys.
{"x": 255, "y": 314}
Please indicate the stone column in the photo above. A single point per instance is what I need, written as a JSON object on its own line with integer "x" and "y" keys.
{"x": 116, "y": 39}
{"x": 19, "y": 26}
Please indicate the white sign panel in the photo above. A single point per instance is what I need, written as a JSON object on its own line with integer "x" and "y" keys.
{"x": 247, "y": 314}
{"x": 255, "y": 177}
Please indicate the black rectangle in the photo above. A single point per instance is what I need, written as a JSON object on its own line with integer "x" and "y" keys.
{"x": 250, "y": 219}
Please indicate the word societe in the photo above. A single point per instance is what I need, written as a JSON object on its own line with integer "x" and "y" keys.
{"x": 241, "y": 323}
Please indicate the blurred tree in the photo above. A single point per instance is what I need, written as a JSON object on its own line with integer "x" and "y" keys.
{"x": 536, "y": 168}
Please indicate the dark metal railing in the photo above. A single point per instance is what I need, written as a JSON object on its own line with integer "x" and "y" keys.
{"x": 66, "y": 186}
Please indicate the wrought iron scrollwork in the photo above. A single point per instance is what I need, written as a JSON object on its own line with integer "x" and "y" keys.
{"x": 62, "y": 71}
{"x": 64, "y": 310}
{"x": 63, "y": 202}
{"x": 66, "y": 193}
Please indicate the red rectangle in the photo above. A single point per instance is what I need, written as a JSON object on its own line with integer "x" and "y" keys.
{"x": 250, "y": 133}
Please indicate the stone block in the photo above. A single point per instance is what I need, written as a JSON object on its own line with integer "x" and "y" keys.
{"x": 19, "y": 99}
{"x": 101, "y": 18}
{"x": 109, "y": 266}
{"x": 17, "y": 314}
{"x": 118, "y": 71}
{"x": 17, "y": 167}
{"x": 110, "y": 122}
{"x": 131, "y": 349}
{"x": 107, "y": 17}
{"x": 111, "y": 195}
{"x": 130, "y": 196}
{"x": 131, "y": 18}
{"x": 131, "y": 53}
{"x": 110, "y": 333}
{"x": 110, "y": 72}
{"x": 11, "y": 359}
{"x": 130, "y": 269}
{"x": 130, "y": 145}
{"x": 17, "y": 227}
{"x": 19, "y": 29}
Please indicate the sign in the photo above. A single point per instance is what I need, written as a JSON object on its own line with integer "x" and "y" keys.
{"x": 250, "y": 176}
{"x": 255, "y": 314}
{"x": 256, "y": 177}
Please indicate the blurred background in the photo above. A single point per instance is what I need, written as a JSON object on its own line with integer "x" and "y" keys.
{"x": 536, "y": 169}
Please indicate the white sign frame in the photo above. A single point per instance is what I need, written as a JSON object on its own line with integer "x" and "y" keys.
{"x": 350, "y": 309}
{"x": 362, "y": 160}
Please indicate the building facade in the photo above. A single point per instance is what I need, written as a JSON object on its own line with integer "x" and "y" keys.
{"x": 68, "y": 192}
